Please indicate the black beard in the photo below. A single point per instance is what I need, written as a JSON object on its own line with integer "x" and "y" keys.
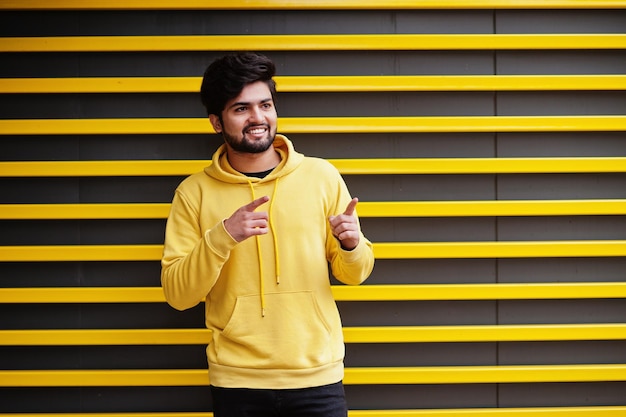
{"x": 245, "y": 146}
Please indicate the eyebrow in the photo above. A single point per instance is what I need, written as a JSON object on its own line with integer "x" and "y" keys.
{"x": 247, "y": 103}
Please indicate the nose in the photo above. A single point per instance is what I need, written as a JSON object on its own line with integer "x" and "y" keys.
{"x": 256, "y": 115}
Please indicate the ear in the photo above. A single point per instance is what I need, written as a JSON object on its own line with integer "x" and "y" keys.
{"x": 215, "y": 121}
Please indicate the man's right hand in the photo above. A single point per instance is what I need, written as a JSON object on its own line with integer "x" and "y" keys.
{"x": 246, "y": 222}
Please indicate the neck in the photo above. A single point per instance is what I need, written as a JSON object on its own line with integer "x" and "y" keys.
{"x": 253, "y": 162}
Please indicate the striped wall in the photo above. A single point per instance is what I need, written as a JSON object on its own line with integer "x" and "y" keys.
{"x": 485, "y": 140}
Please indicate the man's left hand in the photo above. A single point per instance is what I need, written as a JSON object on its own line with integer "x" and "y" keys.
{"x": 345, "y": 227}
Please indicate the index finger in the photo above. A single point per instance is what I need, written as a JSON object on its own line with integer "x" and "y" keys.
{"x": 351, "y": 206}
{"x": 256, "y": 203}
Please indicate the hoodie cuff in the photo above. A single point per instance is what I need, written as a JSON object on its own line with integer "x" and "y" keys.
{"x": 353, "y": 255}
{"x": 219, "y": 240}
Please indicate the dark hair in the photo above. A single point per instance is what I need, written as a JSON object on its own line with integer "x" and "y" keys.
{"x": 227, "y": 76}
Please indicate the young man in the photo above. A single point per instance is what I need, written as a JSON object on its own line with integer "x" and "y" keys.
{"x": 253, "y": 235}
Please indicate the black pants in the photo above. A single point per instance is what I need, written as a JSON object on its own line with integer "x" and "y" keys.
{"x": 324, "y": 401}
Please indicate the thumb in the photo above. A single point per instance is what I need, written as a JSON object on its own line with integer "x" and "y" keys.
{"x": 351, "y": 206}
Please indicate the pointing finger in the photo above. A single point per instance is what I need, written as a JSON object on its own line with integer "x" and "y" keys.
{"x": 351, "y": 206}
{"x": 256, "y": 203}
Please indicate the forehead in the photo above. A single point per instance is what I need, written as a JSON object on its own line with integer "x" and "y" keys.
{"x": 252, "y": 93}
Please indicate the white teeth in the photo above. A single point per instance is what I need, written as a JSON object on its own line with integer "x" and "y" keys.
{"x": 256, "y": 131}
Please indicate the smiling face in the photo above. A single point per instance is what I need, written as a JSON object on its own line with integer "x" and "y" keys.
{"x": 248, "y": 121}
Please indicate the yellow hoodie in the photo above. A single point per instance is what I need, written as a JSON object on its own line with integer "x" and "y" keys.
{"x": 268, "y": 302}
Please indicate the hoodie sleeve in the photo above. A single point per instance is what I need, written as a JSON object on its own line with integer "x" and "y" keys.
{"x": 192, "y": 258}
{"x": 354, "y": 266}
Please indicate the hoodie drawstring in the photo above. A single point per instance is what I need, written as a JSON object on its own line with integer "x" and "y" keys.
{"x": 260, "y": 252}
{"x": 276, "y": 258}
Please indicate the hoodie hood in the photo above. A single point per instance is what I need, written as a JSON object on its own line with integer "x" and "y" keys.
{"x": 221, "y": 170}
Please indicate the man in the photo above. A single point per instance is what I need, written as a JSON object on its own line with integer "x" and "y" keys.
{"x": 253, "y": 235}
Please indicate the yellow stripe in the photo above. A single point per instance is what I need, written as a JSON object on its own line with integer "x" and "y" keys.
{"x": 489, "y": 208}
{"x": 481, "y": 250}
{"x": 293, "y": 42}
{"x": 102, "y": 85}
{"x": 430, "y": 292}
{"x": 379, "y": 166}
{"x": 366, "y": 209}
{"x": 405, "y": 292}
{"x": 84, "y": 211}
{"x": 101, "y": 168}
{"x": 353, "y": 376}
{"x": 485, "y": 374}
{"x": 617, "y": 411}
{"x": 452, "y": 124}
{"x": 498, "y": 333}
{"x": 396, "y": 250}
{"x": 104, "y": 378}
{"x": 324, "y": 83}
{"x": 601, "y": 411}
{"x": 133, "y": 414}
{"x": 391, "y": 334}
{"x": 304, "y": 5}
{"x": 408, "y": 124}
{"x": 104, "y": 337}
{"x": 82, "y": 295}
{"x": 81, "y": 253}
{"x": 450, "y": 83}
{"x": 478, "y": 165}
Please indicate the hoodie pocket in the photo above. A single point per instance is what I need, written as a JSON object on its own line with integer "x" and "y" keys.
{"x": 292, "y": 335}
